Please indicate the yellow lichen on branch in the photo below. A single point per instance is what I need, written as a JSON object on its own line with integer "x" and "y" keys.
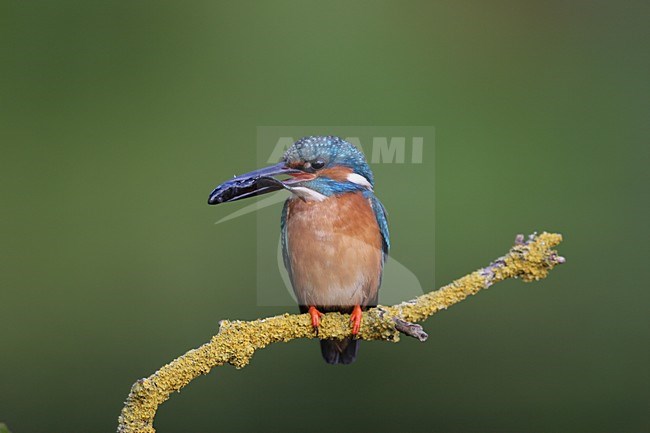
{"x": 237, "y": 341}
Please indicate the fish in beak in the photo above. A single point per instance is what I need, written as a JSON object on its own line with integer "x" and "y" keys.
{"x": 255, "y": 183}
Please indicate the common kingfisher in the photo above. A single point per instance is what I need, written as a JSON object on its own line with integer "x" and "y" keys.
{"x": 334, "y": 230}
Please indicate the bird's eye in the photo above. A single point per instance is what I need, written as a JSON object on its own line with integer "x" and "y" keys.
{"x": 319, "y": 163}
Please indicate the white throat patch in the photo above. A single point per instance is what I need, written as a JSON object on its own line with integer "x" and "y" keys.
{"x": 307, "y": 193}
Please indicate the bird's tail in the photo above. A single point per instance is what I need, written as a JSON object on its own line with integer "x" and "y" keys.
{"x": 339, "y": 351}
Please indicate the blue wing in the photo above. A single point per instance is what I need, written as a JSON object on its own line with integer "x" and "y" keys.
{"x": 382, "y": 221}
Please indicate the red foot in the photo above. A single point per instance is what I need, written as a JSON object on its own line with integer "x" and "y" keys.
{"x": 355, "y": 318}
{"x": 315, "y": 317}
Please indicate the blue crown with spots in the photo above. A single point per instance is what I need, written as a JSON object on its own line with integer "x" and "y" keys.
{"x": 333, "y": 151}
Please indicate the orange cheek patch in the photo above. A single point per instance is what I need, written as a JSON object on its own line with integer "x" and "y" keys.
{"x": 303, "y": 176}
{"x": 336, "y": 173}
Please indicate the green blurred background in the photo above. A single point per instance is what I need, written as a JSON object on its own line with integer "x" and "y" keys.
{"x": 118, "y": 118}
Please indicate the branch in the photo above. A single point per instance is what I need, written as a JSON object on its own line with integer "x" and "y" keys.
{"x": 236, "y": 341}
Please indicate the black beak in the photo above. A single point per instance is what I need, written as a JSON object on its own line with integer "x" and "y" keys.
{"x": 256, "y": 182}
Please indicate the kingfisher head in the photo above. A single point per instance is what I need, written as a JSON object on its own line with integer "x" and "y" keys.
{"x": 313, "y": 168}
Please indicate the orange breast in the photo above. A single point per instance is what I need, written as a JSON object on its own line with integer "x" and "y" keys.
{"x": 335, "y": 252}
